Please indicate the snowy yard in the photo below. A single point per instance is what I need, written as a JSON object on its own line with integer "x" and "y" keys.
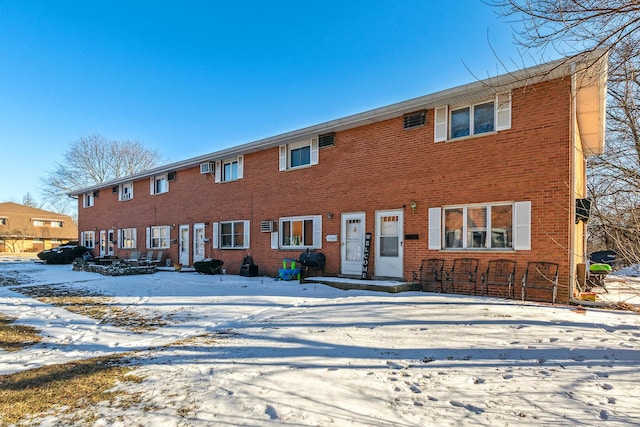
{"x": 237, "y": 351}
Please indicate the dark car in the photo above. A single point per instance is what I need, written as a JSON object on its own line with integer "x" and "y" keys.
{"x": 64, "y": 254}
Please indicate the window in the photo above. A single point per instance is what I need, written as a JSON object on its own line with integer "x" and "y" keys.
{"x": 56, "y": 224}
{"x": 159, "y": 184}
{"x": 231, "y": 235}
{"x": 301, "y": 154}
{"x": 158, "y": 237}
{"x": 88, "y": 199}
{"x": 301, "y": 232}
{"x": 88, "y": 239}
{"x": 489, "y": 226}
{"x": 3, "y": 220}
{"x": 489, "y": 116}
{"x": 126, "y": 191}
{"x": 229, "y": 170}
{"x": 38, "y": 223}
{"x": 127, "y": 238}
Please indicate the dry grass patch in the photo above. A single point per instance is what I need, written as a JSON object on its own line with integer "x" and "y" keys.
{"x": 96, "y": 306}
{"x": 65, "y": 389}
{"x": 16, "y": 337}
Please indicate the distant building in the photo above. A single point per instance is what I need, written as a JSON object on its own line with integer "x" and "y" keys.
{"x": 27, "y": 229}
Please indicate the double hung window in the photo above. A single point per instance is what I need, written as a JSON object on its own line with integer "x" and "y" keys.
{"x": 88, "y": 239}
{"x": 229, "y": 170}
{"x": 88, "y": 200}
{"x": 301, "y": 232}
{"x": 158, "y": 237}
{"x": 231, "y": 235}
{"x": 159, "y": 184}
{"x": 299, "y": 155}
{"x": 126, "y": 191}
{"x": 127, "y": 238}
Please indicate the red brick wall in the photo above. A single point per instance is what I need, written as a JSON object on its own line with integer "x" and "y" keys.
{"x": 378, "y": 167}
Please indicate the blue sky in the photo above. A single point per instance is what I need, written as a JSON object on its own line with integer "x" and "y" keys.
{"x": 190, "y": 77}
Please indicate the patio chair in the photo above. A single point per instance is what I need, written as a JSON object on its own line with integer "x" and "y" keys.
{"x": 464, "y": 272}
{"x": 157, "y": 260}
{"x": 134, "y": 258}
{"x": 431, "y": 274}
{"x": 540, "y": 275}
{"x": 500, "y": 272}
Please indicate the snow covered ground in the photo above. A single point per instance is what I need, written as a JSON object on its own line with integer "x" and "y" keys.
{"x": 265, "y": 352}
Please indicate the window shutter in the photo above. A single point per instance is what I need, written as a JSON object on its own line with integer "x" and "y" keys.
{"x": 314, "y": 151}
{"x": 240, "y": 166}
{"x": 151, "y": 186}
{"x": 218, "y": 171}
{"x": 435, "y": 228}
{"x": 522, "y": 226}
{"x": 274, "y": 240}
{"x": 503, "y": 111}
{"x": 245, "y": 227}
{"x": 214, "y": 238}
{"x": 317, "y": 231}
{"x": 167, "y": 230}
{"x": 440, "y": 124}
{"x": 82, "y": 242}
{"x": 148, "y": 237}
{"x": 283, "y": 157}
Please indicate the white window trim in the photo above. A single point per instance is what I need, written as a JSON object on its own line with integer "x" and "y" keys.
{"x": 121, "y": 238}
{"x": 285, "y": 154}
{"x": 317, "y": 231}
{"x": 219, "y": 176}
{"x": 520, "y": 223}
{"x": 168, "y": 238}
{"x": 122, "y": 196}
{"x": 501, "y": 120}
{"x": 88, "y": 200}
{"x": 83, "y": 238}
{"x": 152, "y": 183}
{"x": 217, "y": 235}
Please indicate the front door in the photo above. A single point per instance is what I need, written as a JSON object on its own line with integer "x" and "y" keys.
{"x": 198, "y": 242}
{"x": 111, "y": 239}
{"x": 103, "y": 242}
{"x": 389, "y": 243}
{"x": 352, "y": 243}
{"x": 183, "y": 247}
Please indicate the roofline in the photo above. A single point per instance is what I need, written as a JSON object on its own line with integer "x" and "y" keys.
{"x": 492, "y": 85}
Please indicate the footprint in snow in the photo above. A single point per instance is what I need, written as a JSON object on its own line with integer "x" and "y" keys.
{"x": 606, "y": 386}
{"x": 271, "y": 412}
{"x": 415, "y": 388}
{"x": 468, "y": 407}
{"x": 604, "y": 415}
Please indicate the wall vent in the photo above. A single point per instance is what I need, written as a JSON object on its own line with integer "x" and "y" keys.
{"x": 326, "y": 140}
{"x": 413, "y": 120}
{"x": 267, "y": 226}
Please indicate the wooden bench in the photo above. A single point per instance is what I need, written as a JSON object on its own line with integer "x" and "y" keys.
{"x": 540, "y": 275}
{"x": 431, "y": 274}
{"x": 464, "y": 272}
{"x": 500, "y": 272}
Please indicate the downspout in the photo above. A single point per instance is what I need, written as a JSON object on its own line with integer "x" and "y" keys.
{"x": 572, "y": 183}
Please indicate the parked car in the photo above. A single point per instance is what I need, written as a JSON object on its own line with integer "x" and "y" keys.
{"x": 64, "y": 254}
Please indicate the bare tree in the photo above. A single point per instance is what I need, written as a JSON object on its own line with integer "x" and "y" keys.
{"x": 569, "y": 27}
{"x": 92, "y": 160}
{"x": 28, "y": 200}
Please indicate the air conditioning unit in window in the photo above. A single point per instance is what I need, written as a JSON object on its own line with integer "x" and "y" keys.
{"x": 206, "y": 167}
{"x": 267, "y": 226}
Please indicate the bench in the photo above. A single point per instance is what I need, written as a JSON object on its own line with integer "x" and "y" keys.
{"x": 540, "y": 275}
{"x": 500, "y": 272}
{"x": 464, "y": 272}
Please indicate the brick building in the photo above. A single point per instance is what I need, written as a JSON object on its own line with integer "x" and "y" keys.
{"x": 491, "y": 169}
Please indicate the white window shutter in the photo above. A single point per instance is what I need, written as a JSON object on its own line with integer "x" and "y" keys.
{"x": 317, "y": 231}
{"x": 503, "y": 111}
{"x": 522, "y": 226}
{"x": 218, "y": 171}
{"x": 283, "y": 157}
{"x": 274, "y": 240}
{"x": 435, "y": 228}
{"x": 314, "y": 151}
{"x": 214, "y": 238}
{"x": 82, "y": 242}
{"x": 167, "y": 229}
{"x": 148, "y": 237}
{"x": 441, "y": 126}
{"x": 240, "y": 166}
{"x": 246, "y": 229}
{"x": 151, "y": 186}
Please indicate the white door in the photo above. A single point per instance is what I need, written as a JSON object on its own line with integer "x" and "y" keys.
{"x": 389, "y": 243}
{"x": 103, "y": 243}
{"x": 198, "y": 242}
{"x": 111, "y": 238}
{"x": 183, "y": 247}
{"x": 352, "y": 243}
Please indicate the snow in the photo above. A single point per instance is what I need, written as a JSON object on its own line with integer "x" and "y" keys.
{"x": 255, "y": 351}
